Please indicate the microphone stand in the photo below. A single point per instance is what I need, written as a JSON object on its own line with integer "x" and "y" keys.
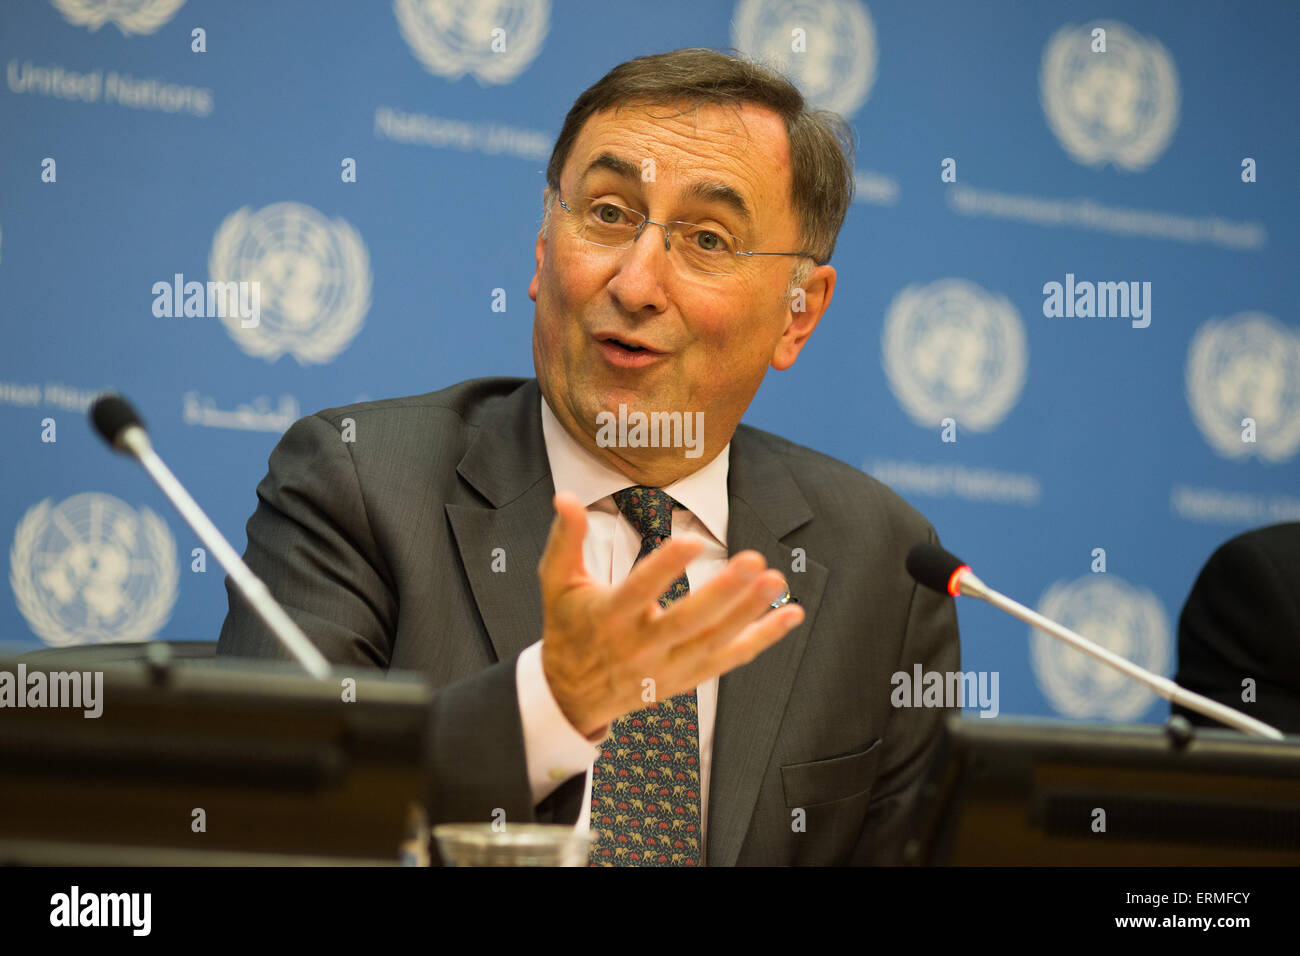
{"x": 135, "y": 441}
{"x": 971, "y": 586}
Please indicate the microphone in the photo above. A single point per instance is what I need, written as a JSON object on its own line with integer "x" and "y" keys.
{"x": 934, "y": 567}
{"x": 941, "y": 571}
{"x": 120, "y": 426}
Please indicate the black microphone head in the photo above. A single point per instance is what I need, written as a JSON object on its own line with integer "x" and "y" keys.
{"x": 932, "y": 566}
{"x": 111, "y": 415}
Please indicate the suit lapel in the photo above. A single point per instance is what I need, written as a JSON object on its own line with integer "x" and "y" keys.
{"x": 507, "y": 465}
{"x": 765, "y": 506}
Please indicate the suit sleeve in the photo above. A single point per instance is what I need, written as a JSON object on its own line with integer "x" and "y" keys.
{"x": 311, "y": 541}
{"x": 1241, "y": 621}
{"x": 912, "y": 735}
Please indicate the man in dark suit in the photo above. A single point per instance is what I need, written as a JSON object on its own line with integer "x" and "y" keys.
{"x": 1241, "y": 622}
{"x": 696, "y": 659}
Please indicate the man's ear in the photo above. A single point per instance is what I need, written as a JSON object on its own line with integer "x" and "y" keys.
{"x": 805, "y": 310}
{"x": 540, "y": 250}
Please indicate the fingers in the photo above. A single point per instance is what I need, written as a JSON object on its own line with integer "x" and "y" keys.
{"x": 755, "y": 639}
{"x": 736, "y": 595}
{"x": 562, "y": 564}
{"x": 654, "y": 574}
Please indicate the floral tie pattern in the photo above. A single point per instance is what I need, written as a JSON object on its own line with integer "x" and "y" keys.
{"x": 645, "y": 785}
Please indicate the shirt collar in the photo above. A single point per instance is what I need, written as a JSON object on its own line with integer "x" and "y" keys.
{"x": 575, "y": 469}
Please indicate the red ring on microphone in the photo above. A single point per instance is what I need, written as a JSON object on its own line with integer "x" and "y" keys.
{"x": 954, "y": 580}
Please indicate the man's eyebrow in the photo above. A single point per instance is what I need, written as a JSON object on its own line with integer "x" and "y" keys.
{"x": 721, "y": 193}
{"x": 617, "y": 165}
{"x": 705, "y": 191}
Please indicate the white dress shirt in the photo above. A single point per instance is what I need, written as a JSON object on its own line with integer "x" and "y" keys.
{"x": 555, "y": 749}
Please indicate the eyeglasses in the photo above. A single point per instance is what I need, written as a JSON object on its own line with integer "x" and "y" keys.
{"x": 703, "y": 249}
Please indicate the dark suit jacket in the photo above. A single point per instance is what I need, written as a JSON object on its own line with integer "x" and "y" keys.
{"x": 382, "y": 549}
{"x": 1242, "y": 619}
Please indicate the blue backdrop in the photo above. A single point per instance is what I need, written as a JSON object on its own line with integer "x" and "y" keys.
{"x": 1002, "y": 147}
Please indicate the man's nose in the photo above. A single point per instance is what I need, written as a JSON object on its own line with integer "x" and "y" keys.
{"x": 643, "y": 270}
{"x": 646, "y": 223}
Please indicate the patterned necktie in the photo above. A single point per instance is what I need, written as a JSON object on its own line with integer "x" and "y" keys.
{"x": 645, "y": 785}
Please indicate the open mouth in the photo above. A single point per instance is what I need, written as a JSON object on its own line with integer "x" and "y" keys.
{"x": 632, "y": 347}
{"x": 625, "y": 354}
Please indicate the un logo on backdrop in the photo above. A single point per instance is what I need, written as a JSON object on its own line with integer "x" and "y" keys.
{"x": 1124, "y": 619}
{"x": 129, "y": 16}
{"x": 314, "y": 276}
{"x": 1120, "y": 106}
{"x": 1247, "y": 366}
{"x": 92, "y": 570}
{"x": 834, "y": 64}
{"x": 455, "y": 37}
{"x": 952, "y": 349}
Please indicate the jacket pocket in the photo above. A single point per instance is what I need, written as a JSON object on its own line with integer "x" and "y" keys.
{"x": 824, "y": 781}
